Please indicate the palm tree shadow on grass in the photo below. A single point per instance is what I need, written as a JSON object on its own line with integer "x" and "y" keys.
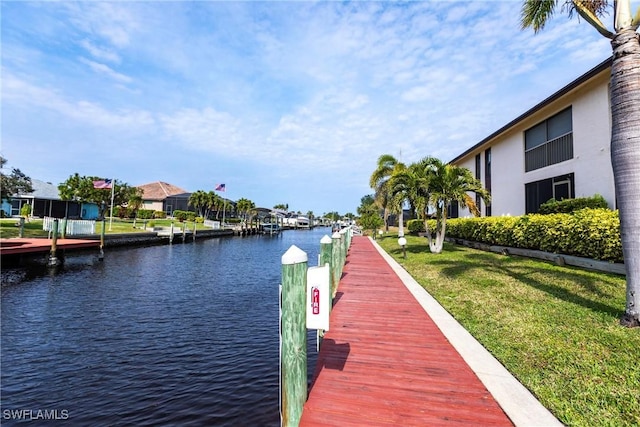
{"x": 513, "y": 267}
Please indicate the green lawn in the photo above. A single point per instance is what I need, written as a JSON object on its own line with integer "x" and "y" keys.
{"x": 555, "y": 328}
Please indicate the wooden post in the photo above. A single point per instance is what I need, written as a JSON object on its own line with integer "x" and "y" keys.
{"x": 53, "y": 260}
{"x": 293, "y": 336}
{"x": 21, "y": 231}
{"x": 335, "y": 263}
{"x": 184, "y": 231}
{"x": 63, "y": 233}
{"x": 326, "y": 246}
{"x": 171, "y": 233}
{"x": 195, "y": 224}
{"x": 102, "y": 232}
{"x": 343, "y": 249}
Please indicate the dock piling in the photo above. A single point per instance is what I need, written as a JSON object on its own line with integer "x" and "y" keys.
{"x": 293, "y": 336}
{"x": 326, "y": 246}
{"x": 102, "y": 233}
{"x": 53, "y": 260}
{"x": 335, "y": 262}
{"x": 21, "y": 232}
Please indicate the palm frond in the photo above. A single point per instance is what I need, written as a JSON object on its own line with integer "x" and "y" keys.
{"x": 536, "y": 13}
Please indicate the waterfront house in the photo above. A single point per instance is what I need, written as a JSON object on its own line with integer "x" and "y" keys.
{"x": 165, "y": 197}
{"x": 45, "y": 202}
{"x": 558, "y": 149}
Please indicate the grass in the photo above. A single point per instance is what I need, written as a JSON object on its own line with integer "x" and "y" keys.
{"x": 33, "y": 228}
{"x": 554, "y": 328}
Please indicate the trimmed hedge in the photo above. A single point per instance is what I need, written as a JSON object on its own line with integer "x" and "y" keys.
{"x": 125, "y": 212}
{"x": 184, "y": 215}
{"x": 415, "y": 226}
{"x": 571, "y": 205}
{"x": 590, "y": 233}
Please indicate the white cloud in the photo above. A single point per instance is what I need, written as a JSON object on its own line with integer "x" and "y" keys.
{"x": 322, "y": 88}
{"x": 100, "y": 53}
{"x": 207, "y": 130}
{"x": 107, "y": 71}
{"x": 113, "y": 22}
{"x": 26, "y": 94}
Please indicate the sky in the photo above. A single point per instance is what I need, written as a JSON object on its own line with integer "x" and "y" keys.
{"x": 284, "y": 102}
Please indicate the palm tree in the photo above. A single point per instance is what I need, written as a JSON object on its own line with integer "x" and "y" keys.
{"x": 625, "y": 120}
{"x": 219, "y": 204}
{"x": 198, "y": 200}
{"x": 412, "y": 184}
{"x": 450, "y": 184}
{"x": 135, "y": 203}
{"x": 432, "y": 186}
{"x": 379, "y": 181}
{"x": 245, "y": 207}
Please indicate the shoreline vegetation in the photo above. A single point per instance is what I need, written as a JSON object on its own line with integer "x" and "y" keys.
{"x": 33, "y": 228}
{"x": 555, "y": 328}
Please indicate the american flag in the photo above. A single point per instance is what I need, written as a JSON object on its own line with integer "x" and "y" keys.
{"x": 102, "y": 184}
{"x": 221, "y": 187}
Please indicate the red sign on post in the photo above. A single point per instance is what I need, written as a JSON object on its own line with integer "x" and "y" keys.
{"x": 315, "y": 300}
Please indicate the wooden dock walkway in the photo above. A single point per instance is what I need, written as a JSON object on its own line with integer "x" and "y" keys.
{"x": 17, "y": 246}
{"x": 384, "y": 361}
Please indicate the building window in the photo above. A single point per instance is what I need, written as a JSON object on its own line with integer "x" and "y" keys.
{"x": 549, "y": 142}
{"x": 538, "y": 192}
{"x": 453, "y": 210}
{"x": 487, "y": 178}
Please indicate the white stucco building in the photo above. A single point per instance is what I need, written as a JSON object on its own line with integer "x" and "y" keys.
{"x": 559, "y": 148}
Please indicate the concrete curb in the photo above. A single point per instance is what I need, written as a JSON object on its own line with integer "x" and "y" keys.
{"x": 520, "y": 405}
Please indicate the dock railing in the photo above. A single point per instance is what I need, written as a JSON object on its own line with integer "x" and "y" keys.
{"x": 212, "y": 224}
{"x": 302, "y": 300}
{"x": 74, "y": 227}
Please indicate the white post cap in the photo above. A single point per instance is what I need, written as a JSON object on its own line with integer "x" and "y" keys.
{"x": 294, "y": 255}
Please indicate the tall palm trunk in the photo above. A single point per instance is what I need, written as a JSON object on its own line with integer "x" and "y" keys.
{"x": 625, "y": 159}
{"x": 441, "y": 229}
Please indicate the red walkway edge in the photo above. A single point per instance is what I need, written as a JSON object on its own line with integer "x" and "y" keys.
{"x": 384, "y": 362}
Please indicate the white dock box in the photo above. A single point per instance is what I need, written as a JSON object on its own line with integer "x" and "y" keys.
{"x": 318, "y": 297}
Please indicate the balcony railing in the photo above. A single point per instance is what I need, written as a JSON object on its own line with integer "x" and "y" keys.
{"x": 552, "y": 152}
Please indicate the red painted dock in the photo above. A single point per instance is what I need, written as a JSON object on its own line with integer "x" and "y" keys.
{"x": 385, "y": 362}
{"x": 26, "y": 246}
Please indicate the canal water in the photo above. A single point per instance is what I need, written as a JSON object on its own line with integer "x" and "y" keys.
{"x": 184, "y": 335}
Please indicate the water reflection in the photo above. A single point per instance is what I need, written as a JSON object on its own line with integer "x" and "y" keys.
{"x": 164, "y": 335}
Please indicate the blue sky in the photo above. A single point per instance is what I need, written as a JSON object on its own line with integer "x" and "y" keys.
{"x": 284, "y": 102}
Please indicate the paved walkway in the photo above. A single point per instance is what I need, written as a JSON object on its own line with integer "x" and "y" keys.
{"x": 385, "y": 362}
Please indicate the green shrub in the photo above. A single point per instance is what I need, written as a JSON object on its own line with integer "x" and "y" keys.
{"x": 415, "y": 226}
{"x": 122, "y": 212}
{"x": 200, "y": 220}
{"x": 591, "y": 233}
{"x": 145, "y": 214}
{"x": 159, "y": 214}
{"x": 151, "y": 224}
{"x": 571, "y": 205}
{"x": 184, "y": 215}
{"x": 25, "y": 210}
